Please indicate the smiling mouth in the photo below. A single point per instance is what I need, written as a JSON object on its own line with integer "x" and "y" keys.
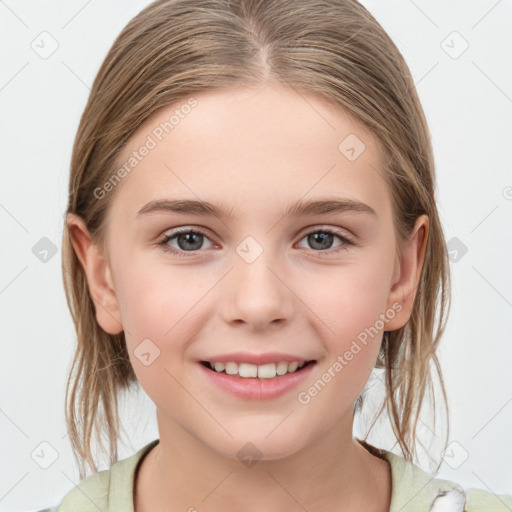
{"x": 256, "y": 372}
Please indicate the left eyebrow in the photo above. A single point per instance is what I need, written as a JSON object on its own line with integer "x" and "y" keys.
{"x": 324, "y": 206}
{"x": 296, "y": 209}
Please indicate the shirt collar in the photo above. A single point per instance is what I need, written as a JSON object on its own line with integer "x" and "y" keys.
{"x": 413, "y": 489}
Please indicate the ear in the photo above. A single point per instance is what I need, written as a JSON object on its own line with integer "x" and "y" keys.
{"x": 407, "y": 274}
{"x": 98, "y": 274}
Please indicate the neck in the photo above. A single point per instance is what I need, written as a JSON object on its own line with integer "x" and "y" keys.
{"x": 333, "y": 473}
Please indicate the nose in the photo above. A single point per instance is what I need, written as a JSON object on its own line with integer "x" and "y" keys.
{"x": 256, "y": 295}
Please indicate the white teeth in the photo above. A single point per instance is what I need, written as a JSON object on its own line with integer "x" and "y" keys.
{"x": 247, "y": 370}
{"x": 262, "y": 371}
{"x": 231, "y": 368}
{"x": 282, "y": 368}
{"x": 267, "y": 371}
{"x": 293, "y": 366}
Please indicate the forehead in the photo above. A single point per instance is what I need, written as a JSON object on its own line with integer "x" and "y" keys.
{"x": 255, "y": 147}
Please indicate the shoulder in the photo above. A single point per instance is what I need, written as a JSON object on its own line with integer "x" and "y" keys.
{"x": 418, "y": 491}
{"x": 471, "y": 500}
{"x": 478, "y": 500}
{"x": 91, "y": 494}
{"x": 110, "y": 489}
{"x": 414, "y": 490}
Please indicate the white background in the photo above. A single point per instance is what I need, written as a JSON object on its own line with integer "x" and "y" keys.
{"x": 468, "y": 104}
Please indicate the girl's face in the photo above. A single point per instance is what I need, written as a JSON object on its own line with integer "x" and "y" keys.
{"x": 259, "y": 277}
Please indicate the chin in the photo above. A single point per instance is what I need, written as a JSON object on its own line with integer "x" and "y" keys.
{"x": 249, "y": 449}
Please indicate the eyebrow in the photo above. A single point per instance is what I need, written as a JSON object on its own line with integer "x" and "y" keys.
{"x": 296, "y": 209}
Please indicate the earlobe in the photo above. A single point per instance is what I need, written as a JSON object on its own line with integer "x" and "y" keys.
{"x": 98, "y": 274}
{"x": 408, "y": 272}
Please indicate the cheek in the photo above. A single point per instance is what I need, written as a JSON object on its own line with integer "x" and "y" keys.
{"x": 162, "y": 305}
{"x": 348, "y": 298}
{"x": 155, "y": 298}
{"x": 349, "y": 302}
{"x": 349, "y": 306}
{"x": 155, "y": 302}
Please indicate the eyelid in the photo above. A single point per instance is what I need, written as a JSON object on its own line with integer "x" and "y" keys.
{"x": 307, "y": 230}
{"x": 166, "y": 237}
{"x": 346, "y": 240}
{"x": 186, "y": 229}
{"x": 342, "y": 232}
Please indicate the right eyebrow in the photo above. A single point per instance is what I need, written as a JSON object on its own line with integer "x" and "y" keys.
{"x": 189, "y": 206}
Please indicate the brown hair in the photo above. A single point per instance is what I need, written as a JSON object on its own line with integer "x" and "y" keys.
{"x": 174, "y": 48}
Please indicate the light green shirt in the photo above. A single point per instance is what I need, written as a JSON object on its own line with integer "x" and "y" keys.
{"x": 413, "y": 490}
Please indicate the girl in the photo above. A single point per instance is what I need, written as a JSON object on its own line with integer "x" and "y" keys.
{"x": 251, "y": 230}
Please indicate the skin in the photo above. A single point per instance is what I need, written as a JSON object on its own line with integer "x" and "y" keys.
{"x": 255, "y": 150}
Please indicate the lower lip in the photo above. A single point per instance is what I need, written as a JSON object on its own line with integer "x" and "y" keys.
{"x": 252, "y": 388}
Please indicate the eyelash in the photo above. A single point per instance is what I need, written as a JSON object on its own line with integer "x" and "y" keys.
{"x": 183, "y": 254}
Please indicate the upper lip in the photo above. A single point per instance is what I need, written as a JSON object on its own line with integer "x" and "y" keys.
{"x": 258, "y": 359}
